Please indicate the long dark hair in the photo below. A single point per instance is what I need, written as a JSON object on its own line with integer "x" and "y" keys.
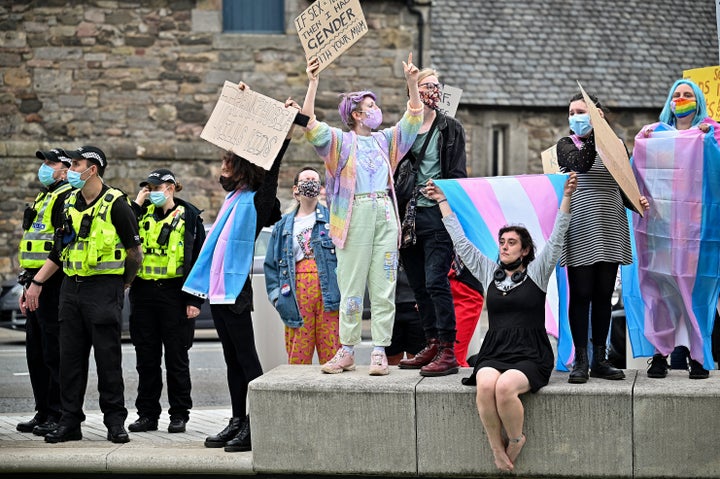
{"x": 246, "y": 175}
{"x": 526, "y": 241}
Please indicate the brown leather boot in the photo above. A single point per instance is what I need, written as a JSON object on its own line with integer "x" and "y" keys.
{"x": 444, "y": 363}
{"x": 423, "y": 357}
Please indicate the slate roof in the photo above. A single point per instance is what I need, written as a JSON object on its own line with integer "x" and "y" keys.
{"x": 530, "y": 52}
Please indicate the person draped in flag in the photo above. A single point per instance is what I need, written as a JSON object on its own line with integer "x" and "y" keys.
{"x": 598, "y": 241}
{"x": 685, "y": 109}
{"x": 364, "y": 223}
{"x": 516, "y": 355}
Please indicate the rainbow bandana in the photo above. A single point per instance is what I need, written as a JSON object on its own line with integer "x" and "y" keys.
{"x": 683, "y": 107}
{"x": 484, "y": 205}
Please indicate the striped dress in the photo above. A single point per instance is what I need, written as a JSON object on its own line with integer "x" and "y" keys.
{"x": 599, "y": 228}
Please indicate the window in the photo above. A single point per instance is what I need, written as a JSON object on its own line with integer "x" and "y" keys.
{"x": 498, "y": 150}
{"x": 254, "y": 16}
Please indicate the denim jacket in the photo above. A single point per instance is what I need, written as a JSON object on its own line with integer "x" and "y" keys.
{"x": 280, "y": 266}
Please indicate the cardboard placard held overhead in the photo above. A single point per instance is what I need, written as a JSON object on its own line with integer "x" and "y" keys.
{"x": 613, "y": 154}
{"x": 249, "y": 124}
{"x": 449, "y": 99}
{"x": 329, "y": 27}
{"x": 550, "y": 161}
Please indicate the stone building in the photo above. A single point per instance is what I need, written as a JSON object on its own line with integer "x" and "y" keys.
{"x": 140, "y": 78}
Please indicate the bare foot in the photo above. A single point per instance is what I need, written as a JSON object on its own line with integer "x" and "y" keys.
{"x": 502, "y": 461}
{"x": 514, "y": 447}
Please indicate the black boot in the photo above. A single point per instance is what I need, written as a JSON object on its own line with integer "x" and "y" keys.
{"x": 579, "y": 373}
{"x": 601, "y": 368}
{"x": 241, "y": 442}
{"x": 226, "y": 434}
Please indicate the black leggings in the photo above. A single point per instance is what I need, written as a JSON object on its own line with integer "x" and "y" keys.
{"x": 594, "y": 285}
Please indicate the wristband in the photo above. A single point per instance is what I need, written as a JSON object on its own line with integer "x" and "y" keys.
{"x": 36, "y": 282}
{"x": 442, "y": 200}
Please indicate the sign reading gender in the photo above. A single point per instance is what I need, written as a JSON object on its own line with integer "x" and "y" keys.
{"x": 329, "y": 27}
{"x": 249, "y": 124}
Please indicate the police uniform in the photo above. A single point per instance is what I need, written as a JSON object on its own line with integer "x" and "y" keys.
{"x": 93, "y": 256}
{"x": 171, "y": 242}
{"x": 42, "y": 340}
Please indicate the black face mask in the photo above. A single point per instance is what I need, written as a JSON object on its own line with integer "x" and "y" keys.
{"x": 227, "y": 183}
{"x": 514, "y": 265}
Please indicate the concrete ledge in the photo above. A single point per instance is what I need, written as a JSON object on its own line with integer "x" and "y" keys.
{"x": 306, "y": 422}
{"x": 676, "y": 426}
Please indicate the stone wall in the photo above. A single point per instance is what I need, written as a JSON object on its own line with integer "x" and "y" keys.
{"x": 139, "y": 80}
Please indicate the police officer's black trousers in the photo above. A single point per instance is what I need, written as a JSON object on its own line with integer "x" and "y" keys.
{"x": 42, "y": 348}
{"x": 159, "y": 320}
{"x": 238, "y": 340}
{"x": 90, "y": 315}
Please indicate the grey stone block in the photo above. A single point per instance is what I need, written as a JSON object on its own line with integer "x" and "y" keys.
{"x": 572, "y": 430}
{"x": 677, "y": 426}
{"x": 306, "y": 422}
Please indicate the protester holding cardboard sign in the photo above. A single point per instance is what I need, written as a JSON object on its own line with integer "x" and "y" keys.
{"x": 364, "y": 221}
{"x": 221, "y": 273}
{"x": 598, "y": 241}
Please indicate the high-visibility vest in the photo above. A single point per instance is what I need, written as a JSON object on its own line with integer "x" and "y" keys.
{"x": 166, "y": 260}
{"x": 101, "y": 251}
{"x": 37, "y": 240}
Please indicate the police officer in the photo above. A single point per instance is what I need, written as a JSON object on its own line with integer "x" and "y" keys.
{"x": 42, "y": 340}
{"x": 172, "y": 234}
{"x": 100, "y": 255}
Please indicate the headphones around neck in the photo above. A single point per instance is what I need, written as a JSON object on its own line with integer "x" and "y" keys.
{"x": 517, "y": 276}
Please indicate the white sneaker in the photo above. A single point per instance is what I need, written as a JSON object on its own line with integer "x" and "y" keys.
{"x": 342, "y": 361}
{"x": 378, "y": 364}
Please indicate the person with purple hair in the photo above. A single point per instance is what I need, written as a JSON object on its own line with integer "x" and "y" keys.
{"x": 364, "y": 222}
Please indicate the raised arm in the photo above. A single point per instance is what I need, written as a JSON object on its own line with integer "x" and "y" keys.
{"x": 411, "y": 77}
{"x": 313, "y": 75}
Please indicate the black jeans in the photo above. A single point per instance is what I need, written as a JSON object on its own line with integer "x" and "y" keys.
{"x": 593, "y": 284}
{"x": 90, "y": 315}
{"x": 159, "y": 321}
{"x": 42, "y": 348}
{"x": 235, "y": 331}
{"x": 427, "y": 264}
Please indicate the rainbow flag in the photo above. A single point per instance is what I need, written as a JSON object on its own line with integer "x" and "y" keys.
{"x": 484, "y": 205}
{"x": 671, "y": 291}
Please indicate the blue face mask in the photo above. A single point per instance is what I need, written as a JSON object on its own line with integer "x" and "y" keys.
{"x": 74, "y": 179}
{"x": 580, "y": 124}
{"x": 158, "y": 198}
{"x": 45, "y": 175}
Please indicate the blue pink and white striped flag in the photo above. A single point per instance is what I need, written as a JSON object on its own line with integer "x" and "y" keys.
{"x": 484, "y": 205}
{"x": 671, "y": 291}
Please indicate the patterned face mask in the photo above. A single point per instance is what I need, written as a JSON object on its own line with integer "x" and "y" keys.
{"x": 682, "y": 107}
{"x": 430, "y": 97}
{"x": 309, "y": 188}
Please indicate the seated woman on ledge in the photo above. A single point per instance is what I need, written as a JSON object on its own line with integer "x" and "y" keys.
{"x": 515, "y": 356}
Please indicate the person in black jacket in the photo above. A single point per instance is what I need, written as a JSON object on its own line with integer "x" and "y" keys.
{"x": 250, "y": 205}
{"x": 439, "y": 151}
{"x": 172, "y": 234}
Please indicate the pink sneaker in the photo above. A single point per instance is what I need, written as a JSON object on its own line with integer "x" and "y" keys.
{"x": 378, "y": 364}
{"x": 342, "y": 361}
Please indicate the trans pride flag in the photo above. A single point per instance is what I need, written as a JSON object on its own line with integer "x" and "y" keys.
{"x": 484, "y": 205}
{"x": 671, "y": 291}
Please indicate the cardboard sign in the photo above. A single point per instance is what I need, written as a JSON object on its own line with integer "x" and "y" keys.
{"x": 708, "y": 79}
{"x": 329, "y": 27}
{"x": 613, "y": 154}
{"x": 550, "y": 161}
{"x": 449, "y": 99}
{"x": 249, "y": 124}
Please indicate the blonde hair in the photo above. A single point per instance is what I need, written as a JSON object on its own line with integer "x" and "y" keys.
{"x": 424, "y": 73}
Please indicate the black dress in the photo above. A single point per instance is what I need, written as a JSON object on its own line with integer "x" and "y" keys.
{"x": 516, "y": 338}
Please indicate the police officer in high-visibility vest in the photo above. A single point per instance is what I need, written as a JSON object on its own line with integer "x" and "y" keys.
{"x": 42, "y": 331}
{"x": 162, "y": 315}
{"x": 100, "y": 256}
